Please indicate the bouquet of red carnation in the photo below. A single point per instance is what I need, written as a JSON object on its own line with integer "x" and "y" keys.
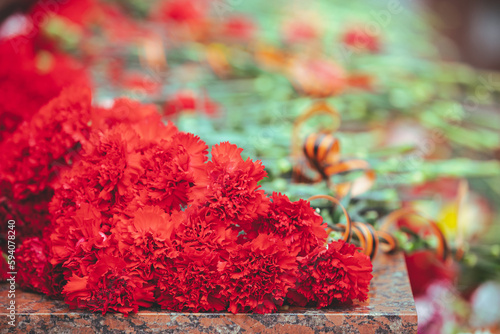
{"x": 139, "y": 217}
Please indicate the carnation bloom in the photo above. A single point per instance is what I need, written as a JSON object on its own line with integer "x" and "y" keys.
{"x": 105, "y": 163}
{"x": 34, "y": 151}
{"x": 187, "y": 17}
{"x": 296, "y": 223}
{"x": 339, "y": 273}
{"x": 189, "y": 101}
{"x": 75, "y": 239}
{"x": 80, "y": 231}
{"x": 30, "y": 79}
{"x": 317, "y": 77}
{"x": 145, "y": 240}
{"x": 168, "y": 171}
{"x": 76, "y": 11}
{"x": 198, "y": 231}
{"x": 140, "y": 82}
{"x": 178, "y": 11}
{"x": 31, "y": 262}
{"x": 107, "y": 286}
{"x": 238, "y": 28}
{"x": 229, "y": 186}
{"x": 191, "y": 280}
{"x": 35, "y": 154}
{"x": 258, "y": 275}
{"x": 129, "y": 150}
{"x": 299, "y": 31}
{"x": 425, "y": 268}
{"x": 123, "y": 110}
{"x": 361, "y": 40}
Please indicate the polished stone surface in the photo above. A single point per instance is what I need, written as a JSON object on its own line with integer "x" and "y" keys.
{"x": 390, "y": 309}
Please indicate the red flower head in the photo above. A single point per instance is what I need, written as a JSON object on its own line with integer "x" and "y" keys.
{"x": 299, "y": 31}
{"x": 192, "y": 282}
{"x": 361, "y": 40}
{"x": 189, "y": 101}
{"x": 104, "y": 176}
{"x": 108, "y": 286}
{"x": 189, "y": 279}
{"x": 258, "y": 275}
{"x": 239, "y": 28}
{"x": 337, "y": 274}
{"x": 198, "y": 231}
{"x": 123, "y": 111}
{"x": 31, "y": 262}
{"x": 317, "y": 77}
{"x": 145, "y": 240}
{"x": 425, "y": 268}
{"x": 36, "y": 153}
{"x": 229, "y": 186}
{"x": 296, "y": 223}
{"x": 79, "y": 232}
{"x": 106, "y": 162}
{"x": 168, "y": 171}
{"x": 140, "y": 82}
{"x": 30, "y": 79}
{"x": 76, "y": 11}
{"x": 182, "y": 12}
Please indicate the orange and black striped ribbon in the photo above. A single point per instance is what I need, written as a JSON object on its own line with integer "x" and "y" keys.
{"x": 442, "y": 248}
{"x": 347, "y": 228}
{"x": 370, "y": 240}
{"x": 322, "y": 152}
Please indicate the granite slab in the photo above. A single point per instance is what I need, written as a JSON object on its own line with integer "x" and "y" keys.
{"x": 390, "y": 309}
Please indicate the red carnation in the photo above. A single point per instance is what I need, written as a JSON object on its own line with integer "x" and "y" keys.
{"x": 239, "y": 28}
{"x": 339, "y": 273}
{"x": 296, "y": 223}
{"x": 168, "y": 171}
{"x": 258, "y": 275}
{"x": 191, "y": 282}
{"x": 139, "y": 82}
{"x": 123, "y": 110}
{"x": 198, "y": 230}
{"x": 182, "y": 12}
{"x": 103, "y": 176}
{"x": 317, "y": 77}
{"x": 195, "y": 148}
{"x": 81, "y": 231}
{"x": 190, "y": 102}
{"x": 229, "y": 186}
{"x": 299, "y": 31}
{"x": 31, "y": 262}
{"x": 30, "y": 79}
{"x": 33, "y": 153}
{"x": 145, "y": 240}
{"x": 425, "y": 268}
{"x": 36, "y": 153}
{"x": 108, "y": 286}
{"x": 361, "y": 40}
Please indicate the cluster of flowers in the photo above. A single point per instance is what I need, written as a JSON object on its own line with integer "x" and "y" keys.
{"x": 29, "y": 78}
{"x": 137, "y": 216}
